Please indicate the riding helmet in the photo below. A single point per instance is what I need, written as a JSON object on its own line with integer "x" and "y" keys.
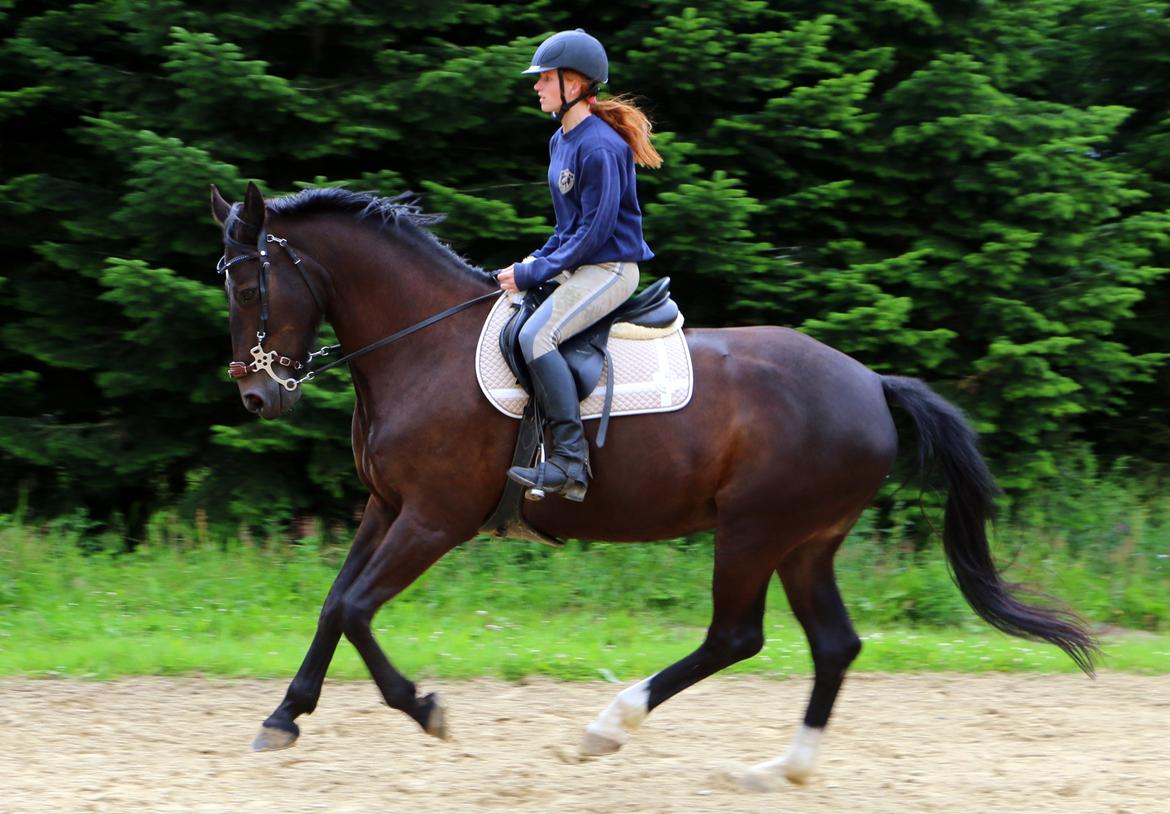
{"x": 574, "y": 50}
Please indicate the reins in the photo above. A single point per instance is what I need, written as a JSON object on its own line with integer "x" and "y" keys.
{"x": 263, "y": 360}
{"x": 394, "y": 337}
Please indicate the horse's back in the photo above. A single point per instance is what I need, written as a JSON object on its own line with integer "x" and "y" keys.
{"x": 778, "y": 423}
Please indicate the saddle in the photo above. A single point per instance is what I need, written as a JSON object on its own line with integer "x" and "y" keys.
{"x": 587, "y": 353}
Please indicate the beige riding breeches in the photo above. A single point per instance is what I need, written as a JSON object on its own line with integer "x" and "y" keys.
{"x": 584, "y": 296}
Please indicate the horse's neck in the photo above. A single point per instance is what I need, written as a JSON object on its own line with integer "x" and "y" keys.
{"x": 379, "y": 285}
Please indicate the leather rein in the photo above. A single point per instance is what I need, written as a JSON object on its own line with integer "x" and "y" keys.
{"x": 262, "y": 360}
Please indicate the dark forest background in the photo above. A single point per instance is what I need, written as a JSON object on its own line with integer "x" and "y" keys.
{"x": 976, "y": 193}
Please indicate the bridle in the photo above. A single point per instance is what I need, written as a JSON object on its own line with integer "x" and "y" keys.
{"x": 262, "y": 360}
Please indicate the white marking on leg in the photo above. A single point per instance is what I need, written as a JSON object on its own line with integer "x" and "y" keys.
{"x": 610, "y": 730}
{"x": 796, "y": 765}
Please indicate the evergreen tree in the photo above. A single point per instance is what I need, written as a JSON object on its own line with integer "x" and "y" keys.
{"x": 971, "y": 192}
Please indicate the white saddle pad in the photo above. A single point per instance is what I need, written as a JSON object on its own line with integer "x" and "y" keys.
{"x": 651, "y": 375}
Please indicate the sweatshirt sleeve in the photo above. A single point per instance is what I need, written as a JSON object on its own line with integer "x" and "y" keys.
{"x": 601, "y": 182}
{"x": 550, "y": 246}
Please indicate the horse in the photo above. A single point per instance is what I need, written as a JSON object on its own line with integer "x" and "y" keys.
{"x": 783, "y": 445}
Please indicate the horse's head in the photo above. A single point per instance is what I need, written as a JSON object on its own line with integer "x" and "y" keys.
{"x": 273, "y": 308}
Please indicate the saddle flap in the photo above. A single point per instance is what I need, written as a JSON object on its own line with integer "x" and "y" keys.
{"x": 510, "y": 341}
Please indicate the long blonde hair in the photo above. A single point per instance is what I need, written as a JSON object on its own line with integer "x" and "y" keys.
{"x": 624, "y": 116}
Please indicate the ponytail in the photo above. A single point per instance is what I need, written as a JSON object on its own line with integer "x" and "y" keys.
{"x": 631, "y": 124}
{"x": 620, "y": 113}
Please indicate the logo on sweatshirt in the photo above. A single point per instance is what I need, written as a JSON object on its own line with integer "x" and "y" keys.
{"x": 565, "y": 182}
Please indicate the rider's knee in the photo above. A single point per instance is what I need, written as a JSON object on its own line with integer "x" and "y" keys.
{"x": 536, "y": 341}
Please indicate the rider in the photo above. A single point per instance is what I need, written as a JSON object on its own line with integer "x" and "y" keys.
{"x": 596, "y": 246}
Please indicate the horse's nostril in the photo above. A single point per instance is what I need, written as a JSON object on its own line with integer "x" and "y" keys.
{"x": 253, "y": 402}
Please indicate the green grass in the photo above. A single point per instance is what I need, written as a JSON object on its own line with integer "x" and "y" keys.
{"x": 567, "y": 646}
{"x": 184, "y": 605}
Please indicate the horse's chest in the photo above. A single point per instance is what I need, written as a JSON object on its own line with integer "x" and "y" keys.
{"x": 381, "y": 447}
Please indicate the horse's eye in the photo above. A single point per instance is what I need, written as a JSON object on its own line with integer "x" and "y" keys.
{"x": 247, "y": 296}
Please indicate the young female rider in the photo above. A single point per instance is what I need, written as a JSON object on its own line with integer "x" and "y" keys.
{"x": 596, "y": 246}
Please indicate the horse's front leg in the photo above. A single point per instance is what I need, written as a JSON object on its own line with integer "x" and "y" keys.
{"x": 410, "y": 548}
{"x": 279, "y": 730}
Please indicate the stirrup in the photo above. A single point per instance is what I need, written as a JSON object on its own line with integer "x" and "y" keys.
{"x": 536, "y": 492}
{"x": 573, "y": 488}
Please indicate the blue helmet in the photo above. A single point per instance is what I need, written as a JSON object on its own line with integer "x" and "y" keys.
{"x": 573, "y": 50}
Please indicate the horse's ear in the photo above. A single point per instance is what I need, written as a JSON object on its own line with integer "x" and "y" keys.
{"x": 253, "y": 213}
{"x": 219, "y": 206}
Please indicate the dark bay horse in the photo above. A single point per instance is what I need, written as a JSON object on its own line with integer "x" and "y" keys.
{"x": 782, "y": 447}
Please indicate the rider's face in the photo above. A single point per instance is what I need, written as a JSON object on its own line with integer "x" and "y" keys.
{"x": 549, "y": 90}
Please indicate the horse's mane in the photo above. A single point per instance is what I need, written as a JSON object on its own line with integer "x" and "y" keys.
{"x": 400, "y": 213}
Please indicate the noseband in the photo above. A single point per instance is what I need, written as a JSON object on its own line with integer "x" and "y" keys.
{"x": 263, "y": 360}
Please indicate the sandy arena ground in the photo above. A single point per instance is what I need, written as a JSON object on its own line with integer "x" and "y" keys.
{"x": 905, "y": 744}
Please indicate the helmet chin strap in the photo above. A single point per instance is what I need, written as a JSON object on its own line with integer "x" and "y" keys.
{"x": 589, "y": 91}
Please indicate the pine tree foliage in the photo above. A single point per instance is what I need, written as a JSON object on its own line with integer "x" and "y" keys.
{"x": 975, "y": 193}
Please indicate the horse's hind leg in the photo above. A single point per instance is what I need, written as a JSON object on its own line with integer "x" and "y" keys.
{"x": 279, "y": 730}
{"x": 807, "y": 575}
{"x": 736, "y": 633}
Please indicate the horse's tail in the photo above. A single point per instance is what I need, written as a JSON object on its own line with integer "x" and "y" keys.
{"x": 945, "y": 437}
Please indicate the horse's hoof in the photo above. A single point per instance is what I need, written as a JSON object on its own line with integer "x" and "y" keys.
{"x": 757, "y": 781}
{"x": 771, "y": 777}
{"x": 437, "y": 719}
{"x": 272, "y": 739}
{"x": 798, "y": 774}
{"x": 594, "y": 745}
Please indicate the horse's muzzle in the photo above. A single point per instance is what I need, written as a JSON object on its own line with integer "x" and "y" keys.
{"x": 265, "y": 397}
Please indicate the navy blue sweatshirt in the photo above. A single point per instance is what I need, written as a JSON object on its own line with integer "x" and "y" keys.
{"x": 594, "y": 195}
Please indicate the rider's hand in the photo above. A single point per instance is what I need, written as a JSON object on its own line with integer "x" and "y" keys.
{"x": 507, "y": 279}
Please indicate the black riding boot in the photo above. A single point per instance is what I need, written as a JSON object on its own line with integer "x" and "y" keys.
{"x": 566, "y": 472}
